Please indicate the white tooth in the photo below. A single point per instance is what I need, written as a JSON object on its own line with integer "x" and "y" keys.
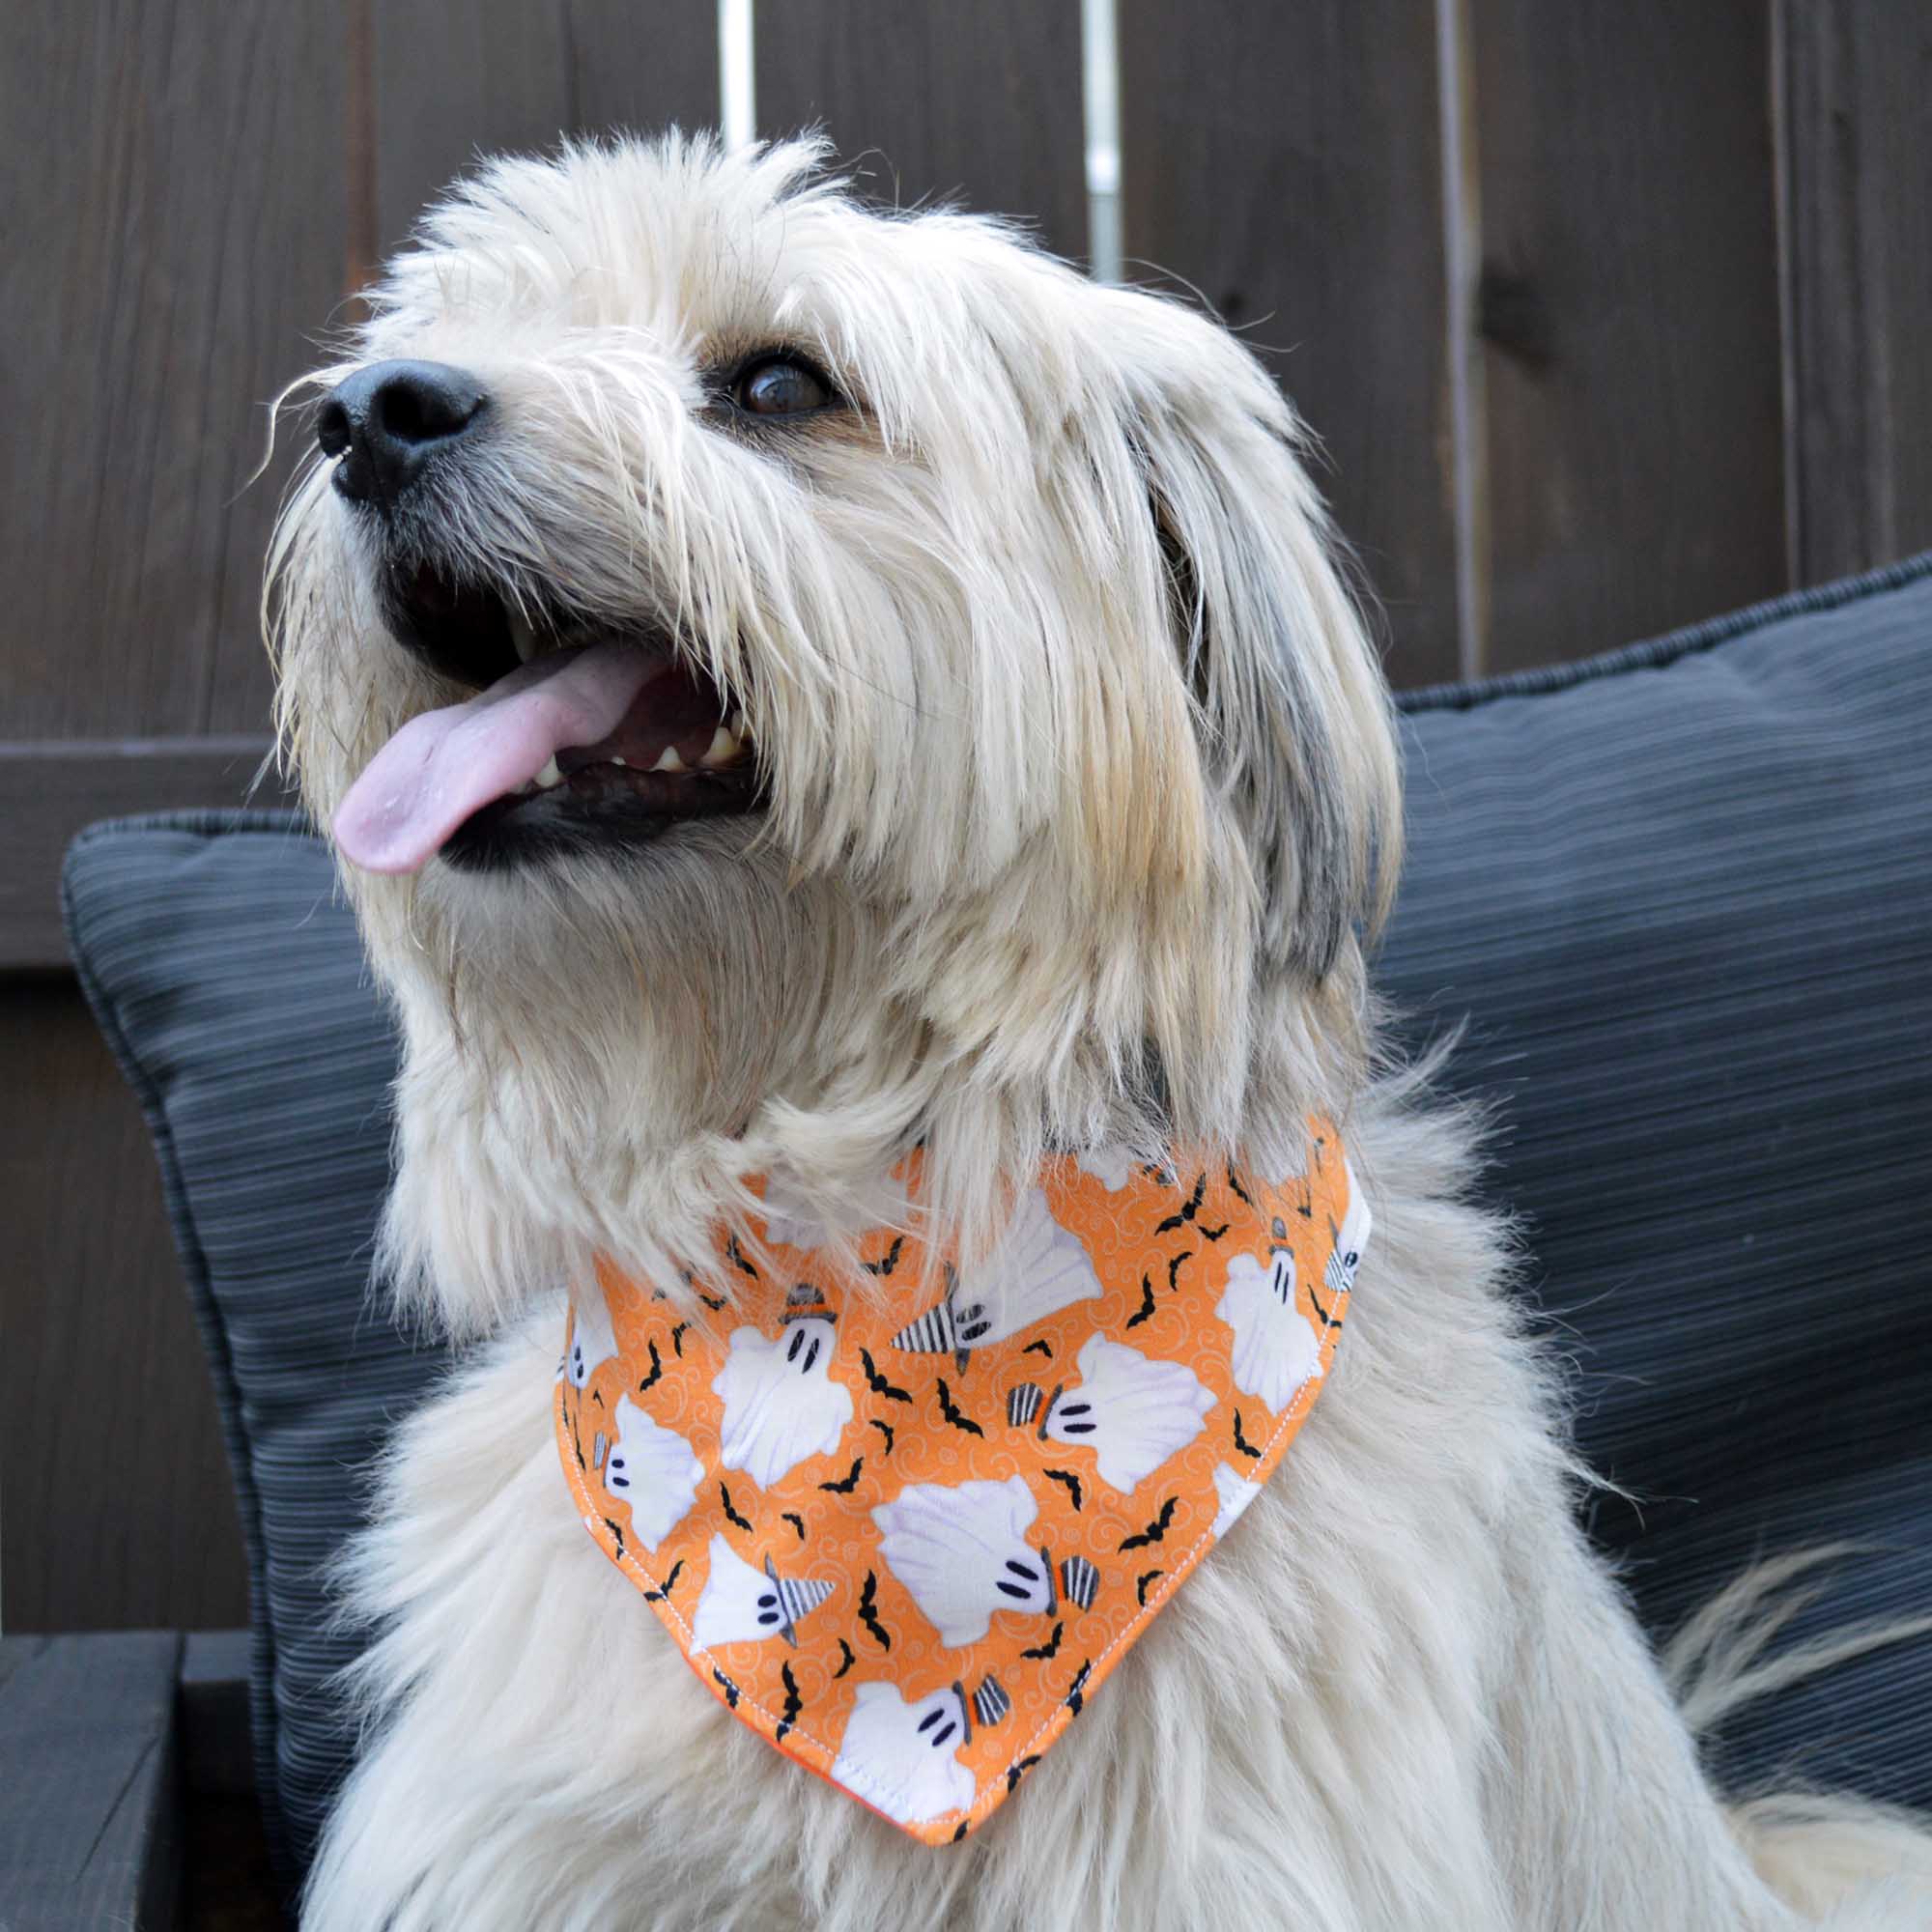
{"x": 724, "y": 749}
{"x": 668, "y": 760}
{"x": 550, "y": 775}
{"x": 616, "y": 761}
{"x": 738, "y": 726}
{"x": 522, "y": 636}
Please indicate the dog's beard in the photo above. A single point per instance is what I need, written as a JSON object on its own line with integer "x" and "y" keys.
{"x": 1071, "y": 763}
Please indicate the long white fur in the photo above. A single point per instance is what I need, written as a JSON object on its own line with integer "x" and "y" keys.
{"x": 1080, "y": 765}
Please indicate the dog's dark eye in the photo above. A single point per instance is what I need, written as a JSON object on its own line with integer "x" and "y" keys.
{"x": 780, "y": 386}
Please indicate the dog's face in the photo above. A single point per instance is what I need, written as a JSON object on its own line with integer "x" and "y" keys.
{"x": 788, "y": 680}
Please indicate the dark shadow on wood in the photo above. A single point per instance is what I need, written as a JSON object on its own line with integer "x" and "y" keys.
{"x": 979, "y": 104}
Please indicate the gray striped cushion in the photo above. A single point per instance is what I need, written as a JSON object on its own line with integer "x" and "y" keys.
{"x": 229, "y": 981}
{"x": 1683, "y": 896}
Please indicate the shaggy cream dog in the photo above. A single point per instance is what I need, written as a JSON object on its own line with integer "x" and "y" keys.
{"x": 1030, "y": 785}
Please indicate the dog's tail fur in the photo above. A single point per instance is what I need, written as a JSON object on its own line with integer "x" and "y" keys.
{"x": 1844, "y": 1863}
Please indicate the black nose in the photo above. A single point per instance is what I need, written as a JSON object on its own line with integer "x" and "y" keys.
{"x": 389, "y": 419}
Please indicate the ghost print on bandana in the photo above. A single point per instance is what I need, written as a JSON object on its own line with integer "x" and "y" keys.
{"x": 1038, "y": 1269}
{"x": 591, "y": 1342}
{"x": 904, "y": 1524}
{"x": 904, "y": 1759}
{"x": 1352, "y": 1237}
{"x": 780, "y": 1403}
{"x": 960, "y": 1549}
{"x": 741, "y": 1605}
{"x": 1133, "y": 1414}
{"x": 651, "y": 1470}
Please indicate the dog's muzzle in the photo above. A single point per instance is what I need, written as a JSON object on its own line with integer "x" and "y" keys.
{"x": 581, "y": 731}
{"x": 386, "y": 422}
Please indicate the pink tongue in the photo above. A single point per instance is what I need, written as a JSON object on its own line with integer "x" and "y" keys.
{"x": 446, "y": 764}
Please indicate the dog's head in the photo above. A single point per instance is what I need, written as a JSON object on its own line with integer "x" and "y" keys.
{"x": 789, "y": 680}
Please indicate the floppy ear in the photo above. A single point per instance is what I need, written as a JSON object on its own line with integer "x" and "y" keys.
{"x": 1291, "y": 707}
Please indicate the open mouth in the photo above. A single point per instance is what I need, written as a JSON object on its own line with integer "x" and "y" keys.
{"x": 579, "y": 737}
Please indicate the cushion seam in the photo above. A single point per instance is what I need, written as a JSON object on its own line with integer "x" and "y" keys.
{"x": 1660, "y": 653}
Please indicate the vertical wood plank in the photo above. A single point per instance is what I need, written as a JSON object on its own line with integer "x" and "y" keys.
{"x": 173, "y": 228}
{"x": 1855, "y": 90}
{"x": 979, "y": 104}
{"x": 1630, "y": 306}
{"x": 455, "y": 80}
{"x": 1287, "y": 162}
{"x": 115, "y": 1497}
{"x": 643, "y": 67}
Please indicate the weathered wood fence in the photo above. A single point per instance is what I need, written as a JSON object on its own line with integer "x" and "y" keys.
{"x": 1610, "y": 314}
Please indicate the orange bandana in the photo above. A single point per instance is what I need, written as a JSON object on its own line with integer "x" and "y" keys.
{"x": 905, "y": 1552}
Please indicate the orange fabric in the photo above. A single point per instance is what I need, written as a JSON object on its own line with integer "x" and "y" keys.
{"x": 905, "y": 1542}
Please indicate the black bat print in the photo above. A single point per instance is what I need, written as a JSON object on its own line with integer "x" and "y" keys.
{"x": 889, "y": 1261}
{"x": 677, "y": 1340}
{"x": 1156, "y": 1530}
{"x": 1047, "y": 1651}
{"x": 735, "y": 1255}
{"x": 1327, "y": 1320}
{"x": 656, "y": 1370}
{"x": 885, "y": 1429}
{"x": 1234, "y": 1181}
{"x": 952, "y": 1412}
{"x": 847, "y": 1482}
{"x": 877, "y": 1382}
{"x": 793, "y": 1705}
{"x": 668, "y": 1584}
{"x": 1141, "y": 1583}
{"x": 597, "y": 1396}
{"x": 730, "y": 1514}
{"x": 1016, "y": 1771}
{"x": 1076, "y": 1691}
{"x": 1039, "y": 1348}
{"x": 729, "y": 1688}
{"x": 714, "y": 1303}
{"x": 796, "y": 1520}
{"x": 1069, "y": 1480}
{"x": 1173, "y": 1263}
{"x": 869, "y": 1611}
{"x": 1241, "y": 1442}
{"x": 1145, "y": 1310}
{"x": 1189, "y": 1208}
{"x": 616, "y": 1530}
{"x": 1209, "y": 1234}
{"x": 846, "y": 1662}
